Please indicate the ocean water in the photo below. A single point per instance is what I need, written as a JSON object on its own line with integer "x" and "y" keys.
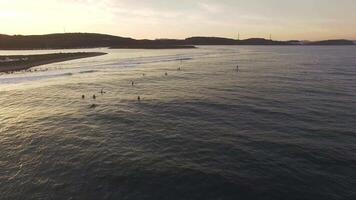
{"x": 283, "y": 127}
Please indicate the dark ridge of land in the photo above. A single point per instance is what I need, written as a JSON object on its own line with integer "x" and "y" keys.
{"x": 24, "y": 62}
{"x": 61, "y": 41}
{"x": 93, "y": 40}
{"x": 332, "y": 42}
{"x": 153, "y": 47}
{"x": 229, "y": 41}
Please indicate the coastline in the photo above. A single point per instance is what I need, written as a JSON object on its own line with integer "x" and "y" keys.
{"x": 95, "y": 40}
{"x": 153, "y": 47}
{"x": 14, "y": 63}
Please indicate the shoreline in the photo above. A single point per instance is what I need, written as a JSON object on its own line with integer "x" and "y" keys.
{"x": 95, "y": 40}
{"x": 153, "y": 47}
{"x": 171, "y": 47}
{"x": 14, "y": 63}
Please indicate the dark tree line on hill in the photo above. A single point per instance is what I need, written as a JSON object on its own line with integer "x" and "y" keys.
{"x": 92, "y": 40}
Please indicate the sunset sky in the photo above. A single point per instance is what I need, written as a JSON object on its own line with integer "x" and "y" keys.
{"x": 302, "y": 19}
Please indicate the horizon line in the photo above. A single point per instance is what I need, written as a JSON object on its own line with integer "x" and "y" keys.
{"x": 163, "y": 38}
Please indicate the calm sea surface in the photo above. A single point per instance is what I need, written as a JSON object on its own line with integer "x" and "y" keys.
{"x": 283, "y": 127}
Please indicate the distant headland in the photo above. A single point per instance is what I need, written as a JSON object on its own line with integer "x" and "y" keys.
{"x": 94, "y": 40}
{"x": 13, "y": 63}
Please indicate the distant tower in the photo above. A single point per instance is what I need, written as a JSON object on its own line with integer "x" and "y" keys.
{"x": 270, "y": 36}
{"x": 238, "y": 36}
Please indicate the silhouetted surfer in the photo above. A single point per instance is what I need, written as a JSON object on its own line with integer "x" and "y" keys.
{"x": 93, "y": 106}
{"x": 132, "y": 83}
{"x": 138, "y": 98}
{"x": 178, "y": 69}
{"x": 94, "y": 97}
{"x": 166, "y": 74}
{"x": 83, "y": 96}
{"x": 237, "y": 68}
{"x": 102, "y": 91}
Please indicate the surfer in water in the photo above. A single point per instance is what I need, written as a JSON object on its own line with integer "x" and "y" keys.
{"x": 132, "y": 83}
{"x": 166, "y": 74}
{"x": 102, "y": 91}
{"x": 83, "y": 96}
{"x": 94, "y": 97}
{"x": 138, "y": 98}
{"x": 237, "y": 68}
